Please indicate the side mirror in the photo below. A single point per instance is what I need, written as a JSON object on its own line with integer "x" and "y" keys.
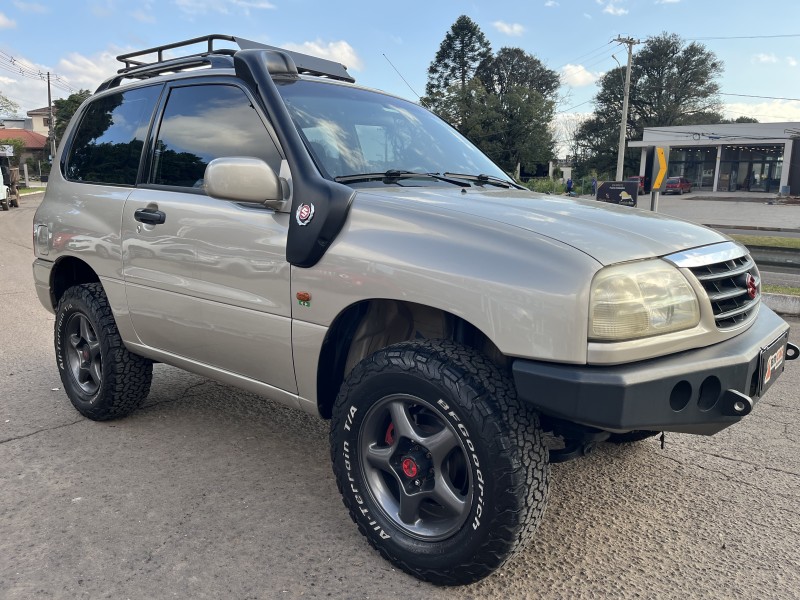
{"x": 244, "y": 179}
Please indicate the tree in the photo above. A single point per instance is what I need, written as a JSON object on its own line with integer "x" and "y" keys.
{"x": 741, "y": 119}
{"x": 525, "y": 92}
{"x": 460, "y": 54}
{"x": 64, "y": 109}
{"x": 566, "y": 130}
{"x": 504, "y": 103}
{"x": 17, "y": 144}
{"x": 7, "y": 106}
{"x": 513, "y": 67}
{"x": 672, "y": 83}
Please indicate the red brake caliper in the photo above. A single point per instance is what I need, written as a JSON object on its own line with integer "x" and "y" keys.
{"x": 389, "y": 438}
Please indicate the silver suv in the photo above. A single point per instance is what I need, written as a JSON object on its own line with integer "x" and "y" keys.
{"x": 252, "y": 216}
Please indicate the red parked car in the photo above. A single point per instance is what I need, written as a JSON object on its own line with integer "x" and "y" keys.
{"x": 678, "y": 185}
{"x": 640, "y": 179}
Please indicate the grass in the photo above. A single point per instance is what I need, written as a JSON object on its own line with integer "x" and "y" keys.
{"x": 780, "y": 289}
{"x": 770, "y": 241}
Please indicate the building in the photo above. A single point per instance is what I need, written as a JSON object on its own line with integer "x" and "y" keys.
{"x": 731, "y": 157}
{"x": 40, "y": 120}
{"x": 35, "y": 143}
{"x": 32, "y": 130}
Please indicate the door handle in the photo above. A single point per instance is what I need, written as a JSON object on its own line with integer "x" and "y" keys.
{"x": 150, "y": 216}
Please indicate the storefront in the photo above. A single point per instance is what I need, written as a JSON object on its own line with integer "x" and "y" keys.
{"x": 737, "y": 157}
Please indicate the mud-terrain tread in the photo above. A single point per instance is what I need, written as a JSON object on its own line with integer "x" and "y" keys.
{"x": 520, "y": 442}
{"x": 126, "y": 376}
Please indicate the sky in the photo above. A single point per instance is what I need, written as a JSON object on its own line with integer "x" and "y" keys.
{"x": 389, "y": 45}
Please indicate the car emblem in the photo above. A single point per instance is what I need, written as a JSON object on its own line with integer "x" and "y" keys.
{"x": 752, "y": 287}
{"x": 305, "y": 212}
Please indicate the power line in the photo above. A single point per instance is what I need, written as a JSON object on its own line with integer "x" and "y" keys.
{"x": 585, "y": 54}
{"x": 571, "y": 107}
{"x": 762, "y": 97}
{"x": 744, "y": 37}
{"x": 20, "y": 67}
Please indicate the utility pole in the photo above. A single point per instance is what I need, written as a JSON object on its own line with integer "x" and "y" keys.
{"x": 50, "y": 119}
{"x": 623, "y": 126}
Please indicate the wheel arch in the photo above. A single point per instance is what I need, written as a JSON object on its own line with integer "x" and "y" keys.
{"x": 368, "y": 326}
{"x": 67, "y": 272}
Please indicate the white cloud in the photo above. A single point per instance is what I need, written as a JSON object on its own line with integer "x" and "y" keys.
{"x": 87, "y": 72}
{"x": 587, "y": 15}
{"x": 74, "y": 69}
{"x": 791, "y": 61}
{"x": 769, "y": 111}
{"x": 6, "y": 23}
{"x": 551, "y": 3}
{"x": 512, "y": 29}
{"x": 611, "y": 7}
{"x": 143, "y": 17}
{"x": 667, "y": 1}
{"x": 578, "y": 76}
{"x": 340, "y": 51}
{"x": 26, "y": 92}
{"x": 201, "y": 7}
{"x": 764, "y": 58}
{"x": 30, "y": 7}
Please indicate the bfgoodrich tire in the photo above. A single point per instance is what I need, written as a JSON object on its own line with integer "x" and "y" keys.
{"x": 441, "y": 467}
{"x": 102, "y": 379}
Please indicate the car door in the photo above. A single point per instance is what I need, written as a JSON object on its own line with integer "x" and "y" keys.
{"x": 207, "y": 279}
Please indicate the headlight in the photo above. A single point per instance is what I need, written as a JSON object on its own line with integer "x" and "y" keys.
{"x": 640, "y": 299}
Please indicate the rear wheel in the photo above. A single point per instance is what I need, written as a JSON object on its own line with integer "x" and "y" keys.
{"x": 102, "y": 379}
{"x": 441, "y": 467}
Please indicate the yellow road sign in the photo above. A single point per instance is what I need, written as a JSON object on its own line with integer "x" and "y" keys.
{"x": 661, "y": 169}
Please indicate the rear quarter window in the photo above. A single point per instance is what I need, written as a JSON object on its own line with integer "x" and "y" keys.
{"x": 107, "y": 145}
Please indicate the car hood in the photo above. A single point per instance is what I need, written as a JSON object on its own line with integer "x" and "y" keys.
{"x": 606, "y": 232}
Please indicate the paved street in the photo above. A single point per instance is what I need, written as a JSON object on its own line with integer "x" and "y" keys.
{"x": 209, "y": 492}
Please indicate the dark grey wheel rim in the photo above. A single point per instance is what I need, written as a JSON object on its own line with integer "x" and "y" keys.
{"x": 83, "y": 354}
{"x": 416, "y": 467}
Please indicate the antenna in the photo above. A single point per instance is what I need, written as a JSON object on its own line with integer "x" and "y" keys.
{"x": 404, "y": 79}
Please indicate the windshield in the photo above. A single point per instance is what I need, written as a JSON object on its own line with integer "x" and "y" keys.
{"x": 352, "y": 131}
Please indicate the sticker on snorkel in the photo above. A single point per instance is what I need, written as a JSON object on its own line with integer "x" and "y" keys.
{"x": 304, "y": 214}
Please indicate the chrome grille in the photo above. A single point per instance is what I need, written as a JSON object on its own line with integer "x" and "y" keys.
{"x": 725, "y": 283}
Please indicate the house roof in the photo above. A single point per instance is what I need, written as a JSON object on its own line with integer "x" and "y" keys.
{"x": 31, "y": 139}
{"x": 40, "y": 111}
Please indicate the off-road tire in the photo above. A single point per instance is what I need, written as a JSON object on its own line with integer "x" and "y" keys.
{"x": 496, "y": 440}
{"x": 102, "y": 379}
{"x": 631, "y": 437}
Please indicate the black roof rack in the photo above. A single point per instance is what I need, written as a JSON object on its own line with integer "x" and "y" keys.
{"x": 137, "y": 67}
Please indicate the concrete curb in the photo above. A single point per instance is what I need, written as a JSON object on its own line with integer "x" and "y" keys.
{"x": 754, "y": 228}
{"x": 783, "y": 304}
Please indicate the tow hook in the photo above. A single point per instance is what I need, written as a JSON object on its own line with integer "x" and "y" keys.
{"x": 791, "y": 351}
{"x": 736, "y": 404}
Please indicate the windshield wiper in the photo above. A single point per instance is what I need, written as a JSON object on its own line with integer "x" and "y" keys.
{"x": 483, "y": 179}
{"x": 394, "y": 175}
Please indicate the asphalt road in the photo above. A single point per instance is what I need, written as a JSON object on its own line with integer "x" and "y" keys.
{"x": 209, "y": 492}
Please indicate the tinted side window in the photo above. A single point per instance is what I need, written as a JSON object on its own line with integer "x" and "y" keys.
{"x": 108, "y": 142}
{"x": 204, "y": 122}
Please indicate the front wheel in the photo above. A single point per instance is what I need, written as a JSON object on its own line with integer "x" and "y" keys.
{"x": 441, "y": 467}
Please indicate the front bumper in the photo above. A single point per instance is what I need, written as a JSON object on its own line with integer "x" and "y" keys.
{"x": 41, "y": 278}
{"x": 687, "y": 392}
